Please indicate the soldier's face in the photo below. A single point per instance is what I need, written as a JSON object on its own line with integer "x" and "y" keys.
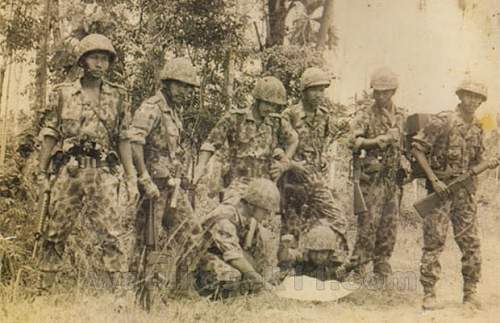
{"x": 384, "y": 97}
{"x": 470, "y": 102}
{"x": 181, "y": 93}
{"x": 265, "y": 108}
{"x": 314, "y": 95}
{"x": 319, "y": 257}
{"x": 96, "y": 64}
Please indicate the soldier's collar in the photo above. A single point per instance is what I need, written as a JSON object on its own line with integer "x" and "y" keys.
{"x": 164, "y": 106}
{"x": 77, "y": 87}
{"x": 319, "y": 110}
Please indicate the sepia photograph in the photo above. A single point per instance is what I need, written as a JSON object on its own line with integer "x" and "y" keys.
{"x": 249, "y": 161}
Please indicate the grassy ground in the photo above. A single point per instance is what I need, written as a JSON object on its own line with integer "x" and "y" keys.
{"x": 401, "y": 305}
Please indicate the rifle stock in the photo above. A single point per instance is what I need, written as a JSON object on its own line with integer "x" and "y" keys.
{"x": 433, "y": 201}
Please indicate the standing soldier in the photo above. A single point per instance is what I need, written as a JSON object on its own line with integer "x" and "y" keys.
{"x": 447, "y": 147}
{"x": 253, "y": 135}
{"x": 378, "y": 131}
{"x": 87, "y": 124}
{"x": 311, "y": 118}
{"x": 160, "y": 148}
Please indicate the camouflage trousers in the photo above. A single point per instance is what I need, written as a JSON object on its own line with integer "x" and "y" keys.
{"x": 377, "y": 228}
{"x": 92, "y": 201}
{"x": 461, "y": 210}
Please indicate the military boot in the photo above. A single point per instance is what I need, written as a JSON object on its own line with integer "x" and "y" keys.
{"x": 471, "y": 299}
{"x": 430, "y": 302}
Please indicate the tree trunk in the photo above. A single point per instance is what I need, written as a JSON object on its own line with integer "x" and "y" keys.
{"x": 229, "y": 78}
{"x": 326, "y": 19}
{"x": 277, "y": 12}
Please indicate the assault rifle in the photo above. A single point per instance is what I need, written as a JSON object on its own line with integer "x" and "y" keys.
{"x": 145, "y": 273}
{"x": 433, "y": 201}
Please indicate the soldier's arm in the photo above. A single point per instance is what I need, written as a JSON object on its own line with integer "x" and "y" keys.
{"x": 144, "y": 120}
{"x": 50, "y": 129}
{"x": 291, "y": 137}
{"x": 215, "y": 141}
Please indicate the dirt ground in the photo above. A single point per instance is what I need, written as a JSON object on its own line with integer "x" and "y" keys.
{"x": 402, "y": 304}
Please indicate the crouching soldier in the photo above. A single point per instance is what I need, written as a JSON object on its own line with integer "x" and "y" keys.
{"x": 320, "y": 253}
{"x": 236, "y": 260}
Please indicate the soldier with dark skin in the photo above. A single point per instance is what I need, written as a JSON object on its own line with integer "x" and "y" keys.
{"x": 447, "y": 147}
{"x": 87, "y": 125}
{"x": 379, "y": 131}
{"x": 161, "y": 152}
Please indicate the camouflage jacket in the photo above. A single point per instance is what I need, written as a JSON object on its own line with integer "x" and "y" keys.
{"x": 373, "y": 122}
{"x": 316, "y": 133}
{"x": 251, "y": 145}
{"x": 229, "y": 234}
{"x": 71, "y": 118}
{"x": 452, "y": 145}
{"x": 157, "y": 126}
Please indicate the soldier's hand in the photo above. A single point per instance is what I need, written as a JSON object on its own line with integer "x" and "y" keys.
{"x": 278, "y": 167}
{"x": 440, "y": 188}
{"x": 358, "y": 143}
{"x": 150, "y": 189}
{"x": 132, "y": 191}
{"x": 43, "y": 182}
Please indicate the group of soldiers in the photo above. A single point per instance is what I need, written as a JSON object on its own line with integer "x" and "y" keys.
{"x": 98, "y": 160}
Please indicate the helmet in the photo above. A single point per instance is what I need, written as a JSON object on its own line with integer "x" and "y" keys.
{"x": 263, "y": 193}
{"x": 270, "y": 89}
{"x": 474, "y": 87}
{"x": 95, "y": 42}
{"x": 314, "y": 76}
{"x": 180, "y": 69}
{"x": 384, "y": 79}
{"x": 320, "y": 237}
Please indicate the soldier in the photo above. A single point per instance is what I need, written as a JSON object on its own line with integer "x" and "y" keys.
{"x": 317, "y": 256}
{"x": 236, "y": 256}
{"x": 160, "y": 147}
{"x": 378, "y": 131}
{"x": 253, "y": 135}
{"x": 449, "y": 146}
{"x": 87, "y": 126}
{"x": 315, "y": 205}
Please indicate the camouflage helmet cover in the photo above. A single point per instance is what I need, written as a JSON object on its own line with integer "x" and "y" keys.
{"x": 95, "y": 42}
{"x": 270, "y": 89}
{"x": 314, "y": 76}
{"x": 474, "y": 87}
{"x": 180, "y": 69}
{"x": 384, "y": 79}
{"x": 320, "y": 237}
{"x": 263, "y": 193}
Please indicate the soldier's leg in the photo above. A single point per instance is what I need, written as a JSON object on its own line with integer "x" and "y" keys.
{"x": 366, "y": 225}
{"x": 435, "y": 227}
{"x": 386, "y": 233}
{"x": 65, "y": 207}
{"x": 465, "y": 229}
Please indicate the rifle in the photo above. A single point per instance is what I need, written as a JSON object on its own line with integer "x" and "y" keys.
{"x": 358, "y": 200}
{"x": 42, "y": 219}
{"x": 433, "y": 201}
{"x": 143, "y": 295}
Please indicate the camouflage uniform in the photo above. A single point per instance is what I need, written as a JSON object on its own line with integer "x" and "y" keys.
{"x": 377, "y": 228}
{"x": 316, "y": 134}
{"x": 87, "y": 188}
{"x": 229, "y": 234}
{"x": 453, "y": 147}
{"x": 158, "y": 127}
{"x": 251, "y": 145}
